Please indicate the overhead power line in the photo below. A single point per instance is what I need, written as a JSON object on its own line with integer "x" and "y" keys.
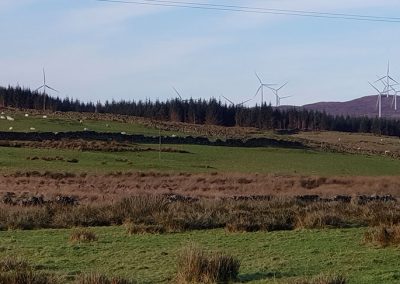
{"x": 258, "y": 10}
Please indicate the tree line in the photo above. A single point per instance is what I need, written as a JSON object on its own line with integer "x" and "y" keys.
{"x": 211, "y": 112}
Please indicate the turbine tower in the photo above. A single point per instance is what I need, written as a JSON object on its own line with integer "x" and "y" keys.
{"x": 261, "y": 88}
{"x": 276, "y": 93}
{"x": 379, "y": 102}
{"x": 44, "y": 86}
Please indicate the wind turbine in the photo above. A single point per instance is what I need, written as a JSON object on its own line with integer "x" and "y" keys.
{"x": 394, "y": 100}
{"x": 276, "y": 93}
{"x": 387, "y": 80}
{"x": 379, "y": 102}
{"x": 261, "y": 88}
{"x": 282, "y": 98}
{"x": 179, "y": 95}
{"x": 233, "y": 104}
{"x": 44, "y": 86}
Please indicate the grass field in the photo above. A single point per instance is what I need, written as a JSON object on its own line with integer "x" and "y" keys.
{"x": 203, "y": 159}
{"x": 54, "y": 124}
{"x": 275, "y": 257}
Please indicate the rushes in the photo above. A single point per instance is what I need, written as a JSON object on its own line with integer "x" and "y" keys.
{"x": 197, "y": 266}
{"x": 383, "y": 235}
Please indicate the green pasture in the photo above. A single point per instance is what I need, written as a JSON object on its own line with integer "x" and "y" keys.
{"x": 54, "y": 124}
{"x": 202, "y": 159}
{"x": 275, "y": 257}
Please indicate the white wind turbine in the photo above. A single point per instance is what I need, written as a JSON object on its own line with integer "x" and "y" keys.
{"x": 233, "y": 104}
{"x": 394, "y": 100}
{"x": 388, "y": 81}
{"x": 44, "y": 86}
{"x": 282, "y": 98}
{"x": 261, "y": 88}
{"x": 379, "y": 102}
{"x": 276, "y": 93}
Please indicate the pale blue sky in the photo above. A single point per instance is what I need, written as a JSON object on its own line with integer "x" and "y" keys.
{"x": 94, "y": 50}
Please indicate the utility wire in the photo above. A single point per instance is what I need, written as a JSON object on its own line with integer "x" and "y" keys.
{"x": 258, "y": 10}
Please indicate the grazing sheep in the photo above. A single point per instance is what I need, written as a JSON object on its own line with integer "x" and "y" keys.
{"x": 11, "y": 128}
{"x": 44, "y": 116}
{"x": 32, "y": 128}
{"x": 10, "y": 118}
{"x": 123, "y": 133}
{"x": 85, "y": 129}
{"x": 2, "y": 117}
{"x": 26, "y": 115}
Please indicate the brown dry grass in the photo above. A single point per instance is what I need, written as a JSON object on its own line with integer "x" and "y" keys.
{"x": 324, "y": 279}
{"x": 157, "y": 214}
{"x": 113, "y": 187}
{"x": 383, "y": 235}
{"x": 82, "y": 235}
{"x": 19, "y": 271}
{"x": 197, "y": 266}
{"x": 96, "y": 278}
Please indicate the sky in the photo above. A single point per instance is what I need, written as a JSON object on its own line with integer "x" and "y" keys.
{"x": 103, "y": 51}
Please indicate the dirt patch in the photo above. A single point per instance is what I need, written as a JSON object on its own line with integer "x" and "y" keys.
{"x": 112, "y": 187}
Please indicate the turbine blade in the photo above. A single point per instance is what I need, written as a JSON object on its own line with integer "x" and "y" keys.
{"x": 258, "y": 90}
{"x": 176, "y": 91}
{"x": 375, "y": 88}
{"x": 283, "y": 86}
{"x": 51, "y": 88}
{"x": 258, "y": 77}
{"x": 39, "y": 88}
{"x": 380, "y": 79}
{"x": 388, "y": 68}
{"x": 242, "y": 103}
{"x": 393, "y": 80}
{"x": 228, "y": 100}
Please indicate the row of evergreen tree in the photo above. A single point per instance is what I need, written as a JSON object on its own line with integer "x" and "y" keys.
{"x": 211, "y": 112}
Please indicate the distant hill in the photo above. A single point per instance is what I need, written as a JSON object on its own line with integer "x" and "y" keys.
{"x": 365, "y": 106}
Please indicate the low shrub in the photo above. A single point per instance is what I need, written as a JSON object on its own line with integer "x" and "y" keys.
{"x": 95, "y": 278}
{"x": 319, "y": 220}
{"x": 18, "y": 271}
{"x": 82, "y": 235}
{"x": 135, "y": 229}
{"x": 196, "y": 266}
{"x": 383, "y": 235}
{"x": 323, "y": 279}
{"x": 13, "y": 264}
{"x": 27, "y": 277}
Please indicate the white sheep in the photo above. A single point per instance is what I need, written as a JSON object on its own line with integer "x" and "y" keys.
{"x": 11, "y": 128}
{"x": 26, "y": 115}
{"x": 44, "y": 116}
{"x": 10, "y": 118}
{"x": 2, "y": 117}
{"x": 85, "y": 129}
{"x": 32, "y": 128}
{"x": 123, "y": 133}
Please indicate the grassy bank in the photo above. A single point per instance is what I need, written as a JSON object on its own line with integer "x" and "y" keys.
{"x": 203, "y": 159}
{"x": 276, "y": 257}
